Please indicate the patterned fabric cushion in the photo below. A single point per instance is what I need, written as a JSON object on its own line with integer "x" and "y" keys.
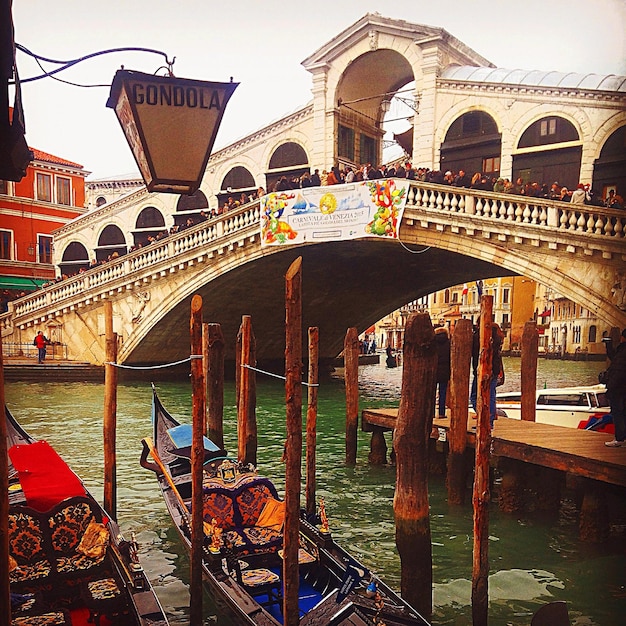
{"x": 256, "y": 577}
{"x": 26, "y": 544}
{"x": 105, "y": 589}
{"x": 25, "y": 537}
{"x": 45, "y": 619}
{"x": 95, "y": 541}
{"x": 76, "y": 563}
{"x": 219, "y": 506}
{"x": 68, "y": 525}
{"x": 251, "y": 502}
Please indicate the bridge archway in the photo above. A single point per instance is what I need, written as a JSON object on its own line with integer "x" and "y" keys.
{"x": 550, "y": 160}
{"x": 150, "y": 222}
{"x": 288, "y": 160}
{"x": 111, "y": 241}
{"x": 473, "y": 144}
{"x": 610, "y": 167}
{"x": 238, "y": 180}
{"x": 75, "y": 258}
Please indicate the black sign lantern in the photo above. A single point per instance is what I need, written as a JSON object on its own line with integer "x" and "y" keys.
{"x": 170, "y": 125}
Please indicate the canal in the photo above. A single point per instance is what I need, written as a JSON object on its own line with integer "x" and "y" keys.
{"x": 532, "y": 560}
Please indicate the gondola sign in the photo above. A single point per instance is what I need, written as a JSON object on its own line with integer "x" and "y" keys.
{"x": 170, "y": 125}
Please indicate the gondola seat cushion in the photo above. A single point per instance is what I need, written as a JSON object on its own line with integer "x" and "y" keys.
{"x": 67, "y": 524}
{"x": 27, "y": 546}
{"x": 237, "y": 512}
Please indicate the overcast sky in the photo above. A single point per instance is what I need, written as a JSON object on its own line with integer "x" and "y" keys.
{"x": 261, "y": 44}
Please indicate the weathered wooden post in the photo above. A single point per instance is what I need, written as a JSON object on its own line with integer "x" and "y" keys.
{"x": 311, "y": 420}
{"x": 197, "y": 461}
{"x": 293, "y": 447}
{"x": 351, "y": 379}
{"x": 528, "y": 373}
{"x": 246, "y": 393}
{"x": 110, "y": 412}
{"x": 5, "y": 593}
{"x": 213, "y": 360}
{"x": 481, "y": 494}
{"x": 410, "y": 502}
{"x": 461, "y": 357}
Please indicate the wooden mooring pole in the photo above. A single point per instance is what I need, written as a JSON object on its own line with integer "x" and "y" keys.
{"x": 213, "y": 361}
{"x": 246, "y": 393}
{"x": 5, "y": 594}
{"x": 481, "y": 493}
{"x": 461, "y": 357}
{"x": 410, "y": 502}
{"x": 351, "y": 379}
{"x": 293, "y": 447}
{"x": 197, "y": 461}
{"x": 109, "y": 423}
{"x": 311, "y": 420}
{"x": 528, "y": 371}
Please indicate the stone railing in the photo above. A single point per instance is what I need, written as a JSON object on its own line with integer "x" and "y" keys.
{"x": 508, "y": 211}
{"x": 134, "y": 265}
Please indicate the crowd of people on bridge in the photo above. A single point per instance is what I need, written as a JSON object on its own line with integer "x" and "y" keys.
{"x": 338, "y": 174}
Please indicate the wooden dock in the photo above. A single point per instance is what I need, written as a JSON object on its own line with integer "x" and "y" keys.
{"x": 576, "y": 452}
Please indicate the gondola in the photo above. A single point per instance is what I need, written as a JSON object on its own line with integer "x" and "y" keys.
{"x": 242, "y": 547}
{"x": 68, "y": 562}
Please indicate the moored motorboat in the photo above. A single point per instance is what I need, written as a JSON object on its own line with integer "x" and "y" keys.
{"x": 243, "y": 519}
{"x": 68, "y": 562}
{"x": 574, "y": 407}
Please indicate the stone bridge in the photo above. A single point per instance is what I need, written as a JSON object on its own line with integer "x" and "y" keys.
{"x": 447, "y": 236}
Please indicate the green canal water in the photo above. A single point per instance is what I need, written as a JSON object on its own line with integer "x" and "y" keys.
{"x": 532, "y": 560}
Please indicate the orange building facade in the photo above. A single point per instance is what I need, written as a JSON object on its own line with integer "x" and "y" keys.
{"x": 51, "y": 194}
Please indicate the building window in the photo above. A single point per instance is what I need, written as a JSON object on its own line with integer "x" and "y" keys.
{"x": 6, "y": 237}
{"x": 346, "y": 142}
{"x": 44, "y": 187}
{"x": 505, "y": 295}
{"x": 44, "y": 246}
{"x": 64, "y": 195}
{"x": 593, "y": 333}
{"x": 547, "y": 127}
{"x": 4, "y": 187}
{"x": 576, "y": 334}
{"x": 490, "y": 165}
{"x": 368, "y": 150}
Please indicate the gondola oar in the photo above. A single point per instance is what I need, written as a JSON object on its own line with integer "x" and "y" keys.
{"x": 149, "y": 446}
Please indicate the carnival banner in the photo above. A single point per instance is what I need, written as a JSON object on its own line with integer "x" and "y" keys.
{"x": 371, "y": 208}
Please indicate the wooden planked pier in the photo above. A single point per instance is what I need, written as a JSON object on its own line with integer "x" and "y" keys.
{"x": 577, "y": 452}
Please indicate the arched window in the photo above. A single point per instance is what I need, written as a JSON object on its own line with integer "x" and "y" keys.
{"x": 100, "y": 200}
{"x": 75, "y": 258}
{"x": 289, "y": 160}
{"x": 111, "y": 243}
{"x": 150, "y": 217}
{"x": 196, "y": 201}
{"x": 150, "y": 223}
{"x": 238, "y": 178}
{"x": 472, "y": 144}
{"x": 593, "y": 332}
{"x": 554, "y": 162}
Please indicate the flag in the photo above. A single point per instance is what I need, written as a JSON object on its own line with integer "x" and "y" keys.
{"x": 464, "y": 293}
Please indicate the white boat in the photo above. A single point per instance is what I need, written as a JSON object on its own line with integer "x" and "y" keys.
{"x": 574, "y": 407}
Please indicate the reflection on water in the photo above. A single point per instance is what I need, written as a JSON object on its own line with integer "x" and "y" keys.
{"x": 533, "y": 561}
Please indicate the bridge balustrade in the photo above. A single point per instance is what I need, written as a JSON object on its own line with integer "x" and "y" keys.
{"x": 556, "y": 215}
{"x": 506, "y": 213}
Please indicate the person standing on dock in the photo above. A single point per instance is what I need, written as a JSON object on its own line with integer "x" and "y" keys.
{"x": 442, "y": 342}
{"x": 41, "y": 341}
{"x": 616, "y": 389}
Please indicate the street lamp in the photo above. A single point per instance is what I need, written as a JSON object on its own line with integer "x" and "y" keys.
{"x": 170, "y": 124}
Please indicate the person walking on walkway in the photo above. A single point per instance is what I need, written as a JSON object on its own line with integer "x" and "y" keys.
{"x": 41, "y": 341}
{"x": 616, "y": 389}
